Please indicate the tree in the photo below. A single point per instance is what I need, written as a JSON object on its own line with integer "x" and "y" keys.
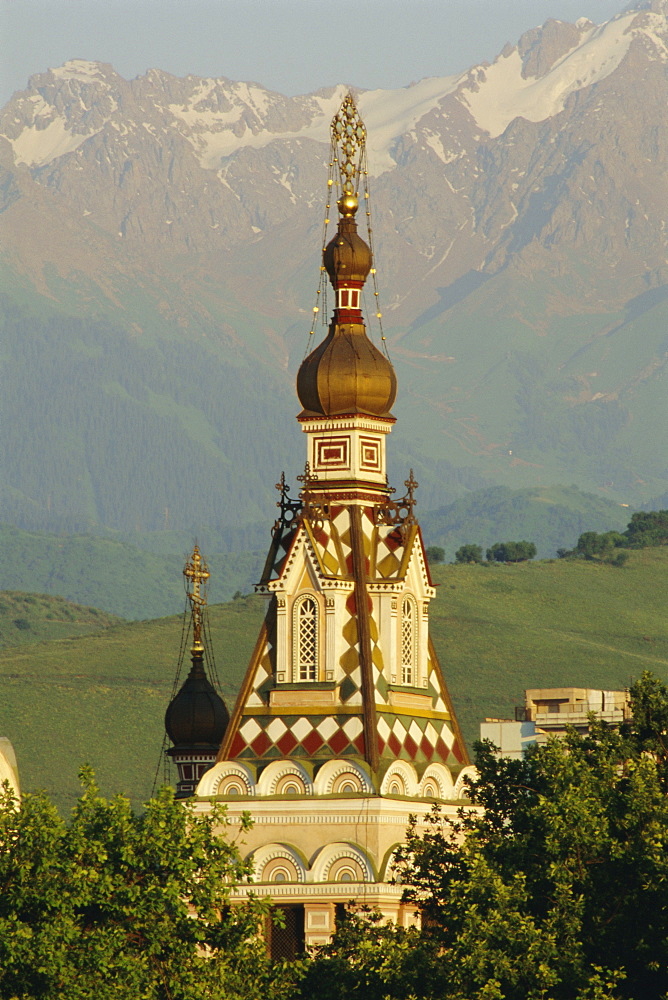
{"x": 648, "y": 528}
{"x": 117, "y": 905}
{"x": 556, "y": 887}
{"x": 592, "y": 545}
{"x": 435, "y": 554}
{"x": 469, "y": 554}
{"x": 511, "y": 552}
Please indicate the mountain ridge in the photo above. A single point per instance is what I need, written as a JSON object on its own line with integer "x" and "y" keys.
{"x": 523, "y": 274}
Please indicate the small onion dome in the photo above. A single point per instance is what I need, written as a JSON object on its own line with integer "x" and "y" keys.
{"x": 347, "y": 257}
{"x": 346, "y": 373}
{"x": 197, "y": 715}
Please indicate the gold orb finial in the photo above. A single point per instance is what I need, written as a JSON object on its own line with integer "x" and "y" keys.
{"x": 348, "y": 205}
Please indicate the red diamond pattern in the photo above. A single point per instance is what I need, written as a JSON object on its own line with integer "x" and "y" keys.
{"x": 338, "y": 741}
{"x": 287, "y": 743}
{"x": 260, "y": 744}
{"x": 426, "y": 748}
{"x": 394, "y": 744}
{"x": 312, "y": 742}
{"x": 410, "y": 746}
{"x": 238, "y": 744}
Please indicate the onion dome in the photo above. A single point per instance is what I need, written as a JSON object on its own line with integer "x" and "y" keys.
{"x": 347, "y": 373}
{"x": 347, "y": 257}
{"x": 197, "y": 715}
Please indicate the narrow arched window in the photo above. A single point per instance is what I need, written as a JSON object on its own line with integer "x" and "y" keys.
{"x": 306, "y": 639}
{"x": 408, "y": 641}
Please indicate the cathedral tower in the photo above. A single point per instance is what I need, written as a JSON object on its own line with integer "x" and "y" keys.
{"x": 343, "y": 725}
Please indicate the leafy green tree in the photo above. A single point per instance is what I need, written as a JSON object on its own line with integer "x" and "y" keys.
{"x": 117, "y": 905}
{"x": 435, "y": 554}
{"x": 511, "y": 552}
{"x": 593, "y": 545}
{"x": 648, "y": 528}
{"x": 469, "y": 554}
{"x": 553, "y": 887}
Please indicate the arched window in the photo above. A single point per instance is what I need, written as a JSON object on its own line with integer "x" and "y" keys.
{"x": 305, "y": 626}
{"x": 408, "y": 640}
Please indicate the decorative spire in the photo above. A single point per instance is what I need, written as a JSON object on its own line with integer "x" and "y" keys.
{"x": 347, "y": 374}
{"x": 196, "y": 717}
{"x": 196, "y": 573}
{"x": 349, "y": 135}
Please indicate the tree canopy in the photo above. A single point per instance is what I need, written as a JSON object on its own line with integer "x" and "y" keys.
{"x": 114, "y": 904}
{"x": 511, "y": 552}
{"x": 555, "y": 888}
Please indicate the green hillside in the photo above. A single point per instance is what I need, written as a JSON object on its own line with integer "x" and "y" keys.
{"x": 26, "y": 618}
{"x": 498, "y": 629}
{"x": 552, "y": 517}
{"x": 120, "y": 578}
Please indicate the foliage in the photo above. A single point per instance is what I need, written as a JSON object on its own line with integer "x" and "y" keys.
{"x": 435, "y": 554}
{"x": 648, "y": 528}
{"x": 645, "y": 529}
{"x": 555, "y": 889}
{"x": 602, "y": 547}
{"x": 511, "y": 552}
{"x": 117, "y": 905}
{"x": 469, "y": 554}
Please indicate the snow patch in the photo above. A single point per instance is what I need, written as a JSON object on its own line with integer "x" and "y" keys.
{"x": 78, "y": 69}
{"x": 504, "y": 95}
{"x": 37, "y": 147}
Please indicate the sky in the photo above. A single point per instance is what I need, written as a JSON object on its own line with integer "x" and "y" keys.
{"x": 292, "y": 46}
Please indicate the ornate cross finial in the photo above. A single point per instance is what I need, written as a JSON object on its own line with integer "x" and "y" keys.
{"x": 289, "y": 508}
{"x": 349, "y": 139}
{"x": 196, "y": 573}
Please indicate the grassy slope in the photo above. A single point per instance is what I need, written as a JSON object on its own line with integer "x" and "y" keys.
{"x": 497, "y": 630}
{"x": 26, "y": 618}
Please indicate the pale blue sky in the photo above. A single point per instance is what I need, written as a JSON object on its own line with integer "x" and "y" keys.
{"x": 293, "y": 46}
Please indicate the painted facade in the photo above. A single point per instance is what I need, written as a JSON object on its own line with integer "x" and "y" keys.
{"x": 343, "y": 726}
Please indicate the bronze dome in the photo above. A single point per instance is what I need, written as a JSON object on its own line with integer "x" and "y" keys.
{"x": 347, "y": 257}
{"x": 346, "y": 373}
{"x": 197, "y": 715}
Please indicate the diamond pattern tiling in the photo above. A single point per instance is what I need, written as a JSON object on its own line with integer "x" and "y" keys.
{"x": 338, "y": 741}
{"x": 415, "y": 731}
{"x": 327, "y": 727}
{"x": 301, "y": 728}
{"x": 312, "y": 742}
{"x": 383, "y": 728}
{"x": 353, "y": 727}
{"x": 260, "y": 744}
{"x": 249, "y": 730}
{"x": 275, "y": 729}
{"x": 287, "y": 743}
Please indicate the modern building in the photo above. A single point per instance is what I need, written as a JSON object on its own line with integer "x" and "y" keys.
{"x": 550, "y": 712}
{"x": 343, "y": 726}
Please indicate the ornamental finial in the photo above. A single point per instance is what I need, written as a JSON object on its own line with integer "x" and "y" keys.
{"x": 349, "y": 143}
{"x": 196, "y": 573}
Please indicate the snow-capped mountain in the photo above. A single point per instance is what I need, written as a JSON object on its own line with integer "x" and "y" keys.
{"x": 527, "y": 197}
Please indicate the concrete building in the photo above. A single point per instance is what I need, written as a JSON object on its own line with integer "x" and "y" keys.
{"x": 549, "y": 712}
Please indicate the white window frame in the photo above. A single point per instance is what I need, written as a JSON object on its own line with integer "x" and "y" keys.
{"x": 305, "y": 670}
